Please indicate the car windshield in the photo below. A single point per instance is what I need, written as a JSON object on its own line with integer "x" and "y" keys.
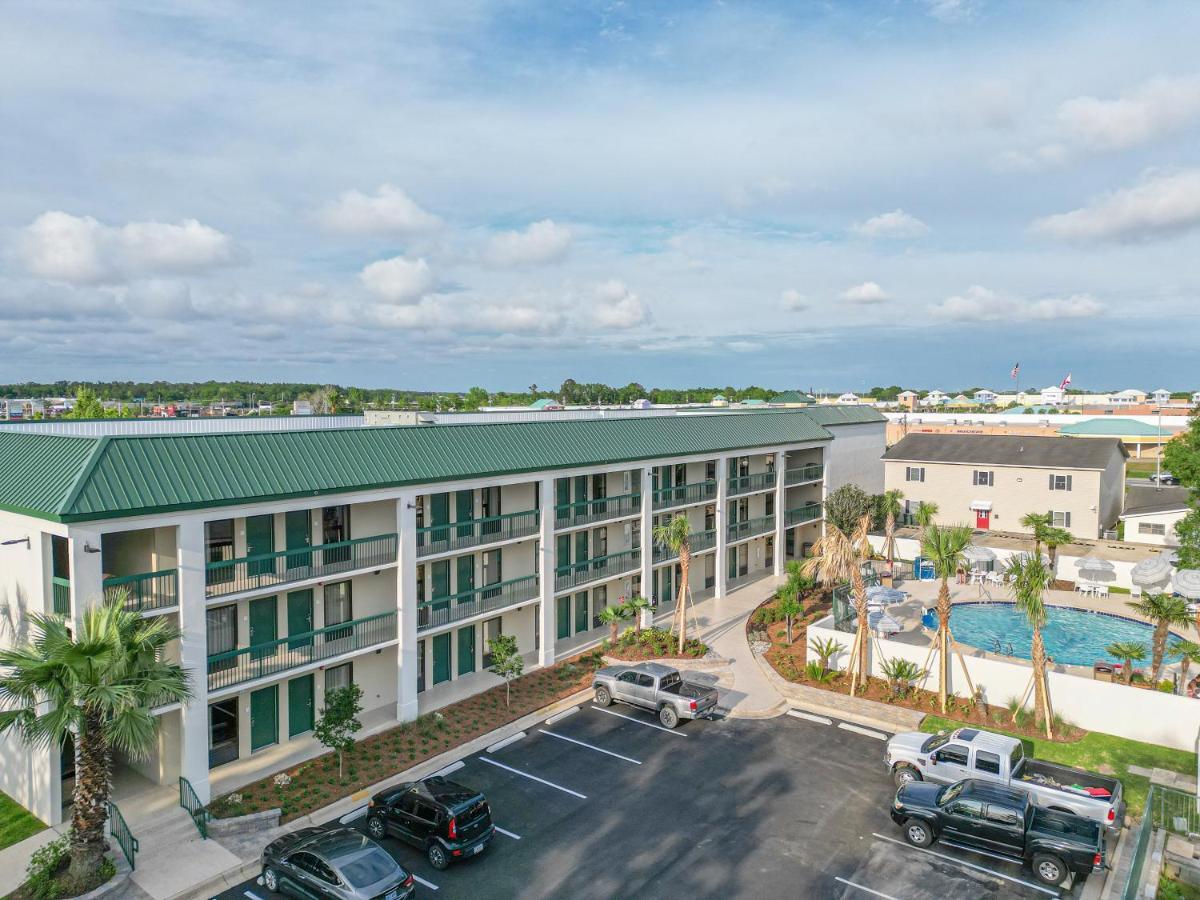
{"x": 934, "y": 742}
{"x": 950, "y": 793}
{"x": 368, "y": 867}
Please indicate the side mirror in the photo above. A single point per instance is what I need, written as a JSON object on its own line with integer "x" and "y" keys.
{"x": 933, "y": 758}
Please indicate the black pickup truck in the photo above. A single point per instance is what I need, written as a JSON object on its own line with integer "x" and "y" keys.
{"x": 1003, "y": 821}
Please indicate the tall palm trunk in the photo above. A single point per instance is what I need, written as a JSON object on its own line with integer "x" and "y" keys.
{"x": 1158, "y": 648}
{"x": 685, "y": 562}
{"x": 859, "y": 584}
{"x": 1041, "y": 693}
{"x": 93, "y": 775}
{"x": 943, "y": 608}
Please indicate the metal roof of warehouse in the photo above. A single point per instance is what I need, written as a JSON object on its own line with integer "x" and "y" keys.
{"x": 88, "y": 478}
{"x": 1006, "y": 450}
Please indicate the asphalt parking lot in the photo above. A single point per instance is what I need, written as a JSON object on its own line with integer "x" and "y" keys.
{"x": 606, "y": 803}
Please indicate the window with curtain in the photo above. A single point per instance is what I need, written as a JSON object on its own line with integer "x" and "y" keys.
{"x": 339, "y": 677}
{"x": 222, "y": 634}
{"x": 338, "y": 609}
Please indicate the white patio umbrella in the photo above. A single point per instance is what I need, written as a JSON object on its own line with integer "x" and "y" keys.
{"x": 878, "y": 594}
{"x": 1095, "y": 567}
{"x": 879, "y": 621}
{"x": 1151, "y": 572}
{"x": 1187, "y": 583}
{"x": 975, "y": 554}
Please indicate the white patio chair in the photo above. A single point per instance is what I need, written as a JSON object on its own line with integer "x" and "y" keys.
{"x": 1101, "y": 590}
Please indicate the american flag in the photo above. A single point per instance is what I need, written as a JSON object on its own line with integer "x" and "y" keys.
{"x": 1066, "y": 381}
{"x": 1016, "y": 370}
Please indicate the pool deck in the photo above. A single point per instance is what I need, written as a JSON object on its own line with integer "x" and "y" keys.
{"x": 923, "y": 595}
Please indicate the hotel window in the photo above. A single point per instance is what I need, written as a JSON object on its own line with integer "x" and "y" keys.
{"x": 1151, "y": 528}
{"x": 1060, "y": 482}
{"x": 341, "y": 676}
{"x": 222, "y": 635}
{"x": 914, "y": 473}
{"x": 1060, "y": 519}
{"x": 338, "y": 609}
{"x": 984, "y": 479}
{"x": 218, "y": 547}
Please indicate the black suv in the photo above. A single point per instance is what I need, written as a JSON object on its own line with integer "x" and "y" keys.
{"x": 445, "y": 819}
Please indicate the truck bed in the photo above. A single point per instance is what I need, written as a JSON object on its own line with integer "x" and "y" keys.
{"x": 1056, "y": 777}
{"x": 688, "y": 690}
{"x": 1066, "y": 827}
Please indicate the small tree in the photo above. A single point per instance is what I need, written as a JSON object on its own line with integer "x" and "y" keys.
{"x": 1188, "y": 653}
{"x": 339, "y": 723}
{"x": 507, "y": 661}
{"x": 611, "y": 616}
{"x": 826, "y": 649}
{"x": 846, "y": 506}
{"x": 789, "y": 606}
{"x": 635, "y": 605}
{"x": 1127, "y": 651}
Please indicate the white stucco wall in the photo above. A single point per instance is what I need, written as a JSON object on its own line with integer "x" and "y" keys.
{"x": 854, "y": 456}
{"x": 1166, "y": 519}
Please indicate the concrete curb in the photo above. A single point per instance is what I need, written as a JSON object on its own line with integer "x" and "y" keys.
{"x": 251, "y": 868}
{"x": 268, "y": 818}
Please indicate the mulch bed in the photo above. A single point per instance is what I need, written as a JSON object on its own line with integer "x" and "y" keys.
{"x": 315, "y": 784}
{"x": 652, "y": 643}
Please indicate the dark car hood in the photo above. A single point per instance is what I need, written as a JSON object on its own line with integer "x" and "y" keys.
{"x": 919, "y": 793}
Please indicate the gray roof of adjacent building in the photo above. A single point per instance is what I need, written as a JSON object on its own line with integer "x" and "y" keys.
{"x": 1144, "y": 500}
{"x": 1006, "y": 450}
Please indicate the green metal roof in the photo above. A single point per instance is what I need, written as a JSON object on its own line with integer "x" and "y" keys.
{"x": 792, "y": 397}
{"x": 1107, "y": 426}
{"x": 826, "y": 414}
{"x": 73, "y": 479}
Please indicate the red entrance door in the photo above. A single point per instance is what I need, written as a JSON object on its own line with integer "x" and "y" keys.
{"x": 982, "y": 519}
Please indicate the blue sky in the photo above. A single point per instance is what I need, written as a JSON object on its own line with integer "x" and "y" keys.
{"x": 438, "y": 195}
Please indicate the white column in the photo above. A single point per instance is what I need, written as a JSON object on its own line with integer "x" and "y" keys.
{"x": 780, "y": 510}
{"x": 546, "y": 567}
{"x": 406, "y": 607}
{"x": 86, "y": 573}
{"x": 647, "y": 545}
{"x": 193, "y": 655}
{"x": 722, "y": 523}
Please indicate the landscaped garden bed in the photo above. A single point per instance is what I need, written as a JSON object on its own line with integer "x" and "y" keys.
{"x": 310, "y": 786}
{"x": 652, "y": 643}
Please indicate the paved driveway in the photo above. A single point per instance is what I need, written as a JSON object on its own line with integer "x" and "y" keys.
{"x": 605, "y": 803}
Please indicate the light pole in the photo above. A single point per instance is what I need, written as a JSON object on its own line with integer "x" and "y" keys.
{"x": 1158, "y": 455}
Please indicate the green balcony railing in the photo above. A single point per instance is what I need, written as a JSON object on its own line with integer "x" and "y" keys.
{"x": 698, "y": 541}
{"x": 122, "y": 835}
{"x": 741, "y": 530}
{"x": 684, "y": 494}
{"x": 60, "y": 589}
{"x": 269, "y": 570}
{"x": 147, "y": 591}
{"x": 809, "y": 512}
{"x": 804, "y": 474}
{"x": 744, "y": 484}
{"x": 476, "y": 532}
{"x": 489, "y": 598}
{"x": 190, "y": 801}
{"x": 272, "y": 657}
{"x": 584, "y": 512}
{"x": 568, "y": 577}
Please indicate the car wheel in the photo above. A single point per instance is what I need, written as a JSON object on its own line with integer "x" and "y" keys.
{"x": 918, "y": 833}
{"x": 668, "y": 717}
{"x": 1049, "y": 869}
{"x": 437, "y": 856}
{"x": 270, "y": 880}
{"x": 905, "y": 774}
{"x": 603, "y": 697}
{"x": 376, "y": 828}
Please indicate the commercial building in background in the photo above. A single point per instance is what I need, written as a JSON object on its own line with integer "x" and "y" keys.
{"x": 992, "y": 481}
{"x": 298, "y": 559}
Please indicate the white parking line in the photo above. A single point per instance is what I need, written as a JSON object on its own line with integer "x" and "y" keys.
{"x": 498, "y": 765}
{"x": 450, "y": 769}
{"x": 515, "y": 837}
{"x": 563, "y": 737}
{"x": 562, "y": 715}
{"x": 419, "y": 880}
{"x": 511, "y": 739}
{"x": 969, "y": 865}
{"x": 864, "y": 888}
{"x": 639, "y": 721}
{"x": 800, "y": 714}
{"x": 858, "y": 729}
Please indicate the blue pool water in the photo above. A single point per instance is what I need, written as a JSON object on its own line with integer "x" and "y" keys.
{"x": 1072, "y": 636}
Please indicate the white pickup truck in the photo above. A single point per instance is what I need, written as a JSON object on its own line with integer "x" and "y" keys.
{"x": 973, "y": 753}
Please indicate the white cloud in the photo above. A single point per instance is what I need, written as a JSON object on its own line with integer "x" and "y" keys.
{"x": 950, "y": 10}
{"x": 542, "y": 242}
{"x": 792, "y": 300}
{"x": 745, "y": 346}
{"x": 79, "y": 249}
{"x": 895, "y": 224}
{"x": 981, "y": 304}
{"x": 615, "y": 306}
{"x": 158, "y": 299}
{"x": 1156, "y": 108}
{"x": 398, "y": 280}
{"x": 865, "y": 293}
{"x": 389, "y": 211}
{"x": 1161, "y": 205}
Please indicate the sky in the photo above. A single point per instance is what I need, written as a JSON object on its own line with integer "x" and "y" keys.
{"x": 438, "y": 195}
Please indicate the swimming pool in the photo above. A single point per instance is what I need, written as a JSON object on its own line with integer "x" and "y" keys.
{"x": 1076, "y": 637}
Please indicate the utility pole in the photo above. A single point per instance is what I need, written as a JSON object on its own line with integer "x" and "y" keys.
{"x": 1158, "y": 455}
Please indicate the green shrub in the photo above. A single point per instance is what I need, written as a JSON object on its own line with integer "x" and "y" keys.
{"x": 40, "y": 881}
{"x": 814, "y": 671}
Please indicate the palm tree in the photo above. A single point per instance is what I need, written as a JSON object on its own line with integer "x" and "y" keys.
{"x": 944, "y": 546}
{"x": 891, "y": 510}
{"x": 1165, "y": 611}
{"x": 1188, "y": 653}
{"x": 611, "y": 616}
{"x": 99, "y": 687}
{"x": 1127, "y": 651}
{"x": 837, "y": 558}
{"x": 635, "y": 605}
{"x": 1037, "y": 523}
{"x": 676, "y": 536}
{"x": 1030, "y": 577}
{"x": 925, "y": 514}
{"x": 789, "y": 606}
{"x": 1055, "y": 538}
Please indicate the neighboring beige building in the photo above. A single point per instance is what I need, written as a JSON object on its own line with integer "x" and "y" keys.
{"x": 992, "y": 481}
{"x": 1151, "y": 513}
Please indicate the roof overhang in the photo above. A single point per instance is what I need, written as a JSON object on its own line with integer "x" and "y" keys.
{"x": 981, "y": 505}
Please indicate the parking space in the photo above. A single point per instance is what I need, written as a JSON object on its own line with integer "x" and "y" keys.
{"x": 601, "y": 803}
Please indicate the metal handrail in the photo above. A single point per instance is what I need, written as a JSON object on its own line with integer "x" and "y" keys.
{"x": 433, "y": 539}
{"x": 269, "y": 570}
{"x": 146, "y": 590}
{"x": 738, "y": 531}
{"x": 698, "y": 542}
{"x": 683, "y": 494}
{"x": 464, "y": 604}
{"x": 584, "y": 512}
{"x": 190, "y": 801}
{"x": 584, "y": 571}
{"x": 120, "y": 832}
{"x": 806, "y": 513}
{"x": 60, "y": 594}
{"x": 802, "y": 474}
{"x": 744, "y": 484}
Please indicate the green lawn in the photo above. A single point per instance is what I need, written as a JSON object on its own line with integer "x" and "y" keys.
{"x": 16, "y": 823}
{"x": 1095, "y": 750}
{"x": 1139, "y": 468}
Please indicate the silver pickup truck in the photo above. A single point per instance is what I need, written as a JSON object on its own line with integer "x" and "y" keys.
{"x": 973, "y": 753}
{"x": 655, "y": 687}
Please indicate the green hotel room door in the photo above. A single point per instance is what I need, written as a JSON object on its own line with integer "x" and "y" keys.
{"x": 260, "y": 538}
{"x": 264, "y": 717}
{"x": 300, "y": 705}
{"x": 441, "y": 657}
{"x": 263, "y": 623}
